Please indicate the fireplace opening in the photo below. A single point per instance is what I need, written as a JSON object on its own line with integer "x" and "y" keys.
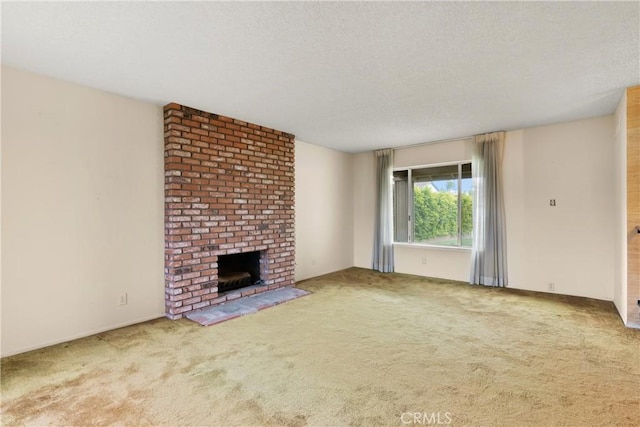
{"x": 238, "y": 270}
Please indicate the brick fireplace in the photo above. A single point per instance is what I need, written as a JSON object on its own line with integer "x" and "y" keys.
{"x": 229, "y": 189}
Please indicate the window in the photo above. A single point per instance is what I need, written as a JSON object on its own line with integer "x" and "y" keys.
{"x": 432, "y": 205}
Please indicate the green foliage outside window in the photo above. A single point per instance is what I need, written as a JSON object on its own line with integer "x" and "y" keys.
{"x": 436, "y": 213}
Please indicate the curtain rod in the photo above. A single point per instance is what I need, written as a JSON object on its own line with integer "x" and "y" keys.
{"x": 434, "y": 142}
{"x": 463, "y": 138}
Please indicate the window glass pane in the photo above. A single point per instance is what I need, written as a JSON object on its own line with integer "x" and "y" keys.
{"x": 466, "y": 201}
{"x": 400, "y": 206}
{"x": 435, "y": 205}
{"x": 430, "y": 208}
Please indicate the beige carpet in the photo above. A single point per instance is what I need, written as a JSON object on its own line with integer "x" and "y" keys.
{"x": 363, "y": 349}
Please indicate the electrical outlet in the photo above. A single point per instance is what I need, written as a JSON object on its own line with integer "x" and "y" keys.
{"x": 552, "y": 202}
{"x": 551, "y": 286}
{"x": 122, "y": 299}
{"x": 424, "y": 259}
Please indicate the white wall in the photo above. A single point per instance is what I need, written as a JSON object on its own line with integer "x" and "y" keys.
{"x": 620, "y": 203}
{"x": 570, "y": 245}
{"x": 363, "y": 208}
{"x": 324, "y": 210}
{"x": 82, "y": 223}
{"x": 444, "y": 263}
{"x": 451, "y": 151}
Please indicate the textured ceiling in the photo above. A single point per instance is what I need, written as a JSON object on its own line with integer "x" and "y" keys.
{"x": 351, "y": 76}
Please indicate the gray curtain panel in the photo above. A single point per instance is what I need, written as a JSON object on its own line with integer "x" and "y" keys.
{"x": 383, "y": 234}
{"x": 489, "y": 253}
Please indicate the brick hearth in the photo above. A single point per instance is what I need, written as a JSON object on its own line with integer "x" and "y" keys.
{"x": 229, "y": 188}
